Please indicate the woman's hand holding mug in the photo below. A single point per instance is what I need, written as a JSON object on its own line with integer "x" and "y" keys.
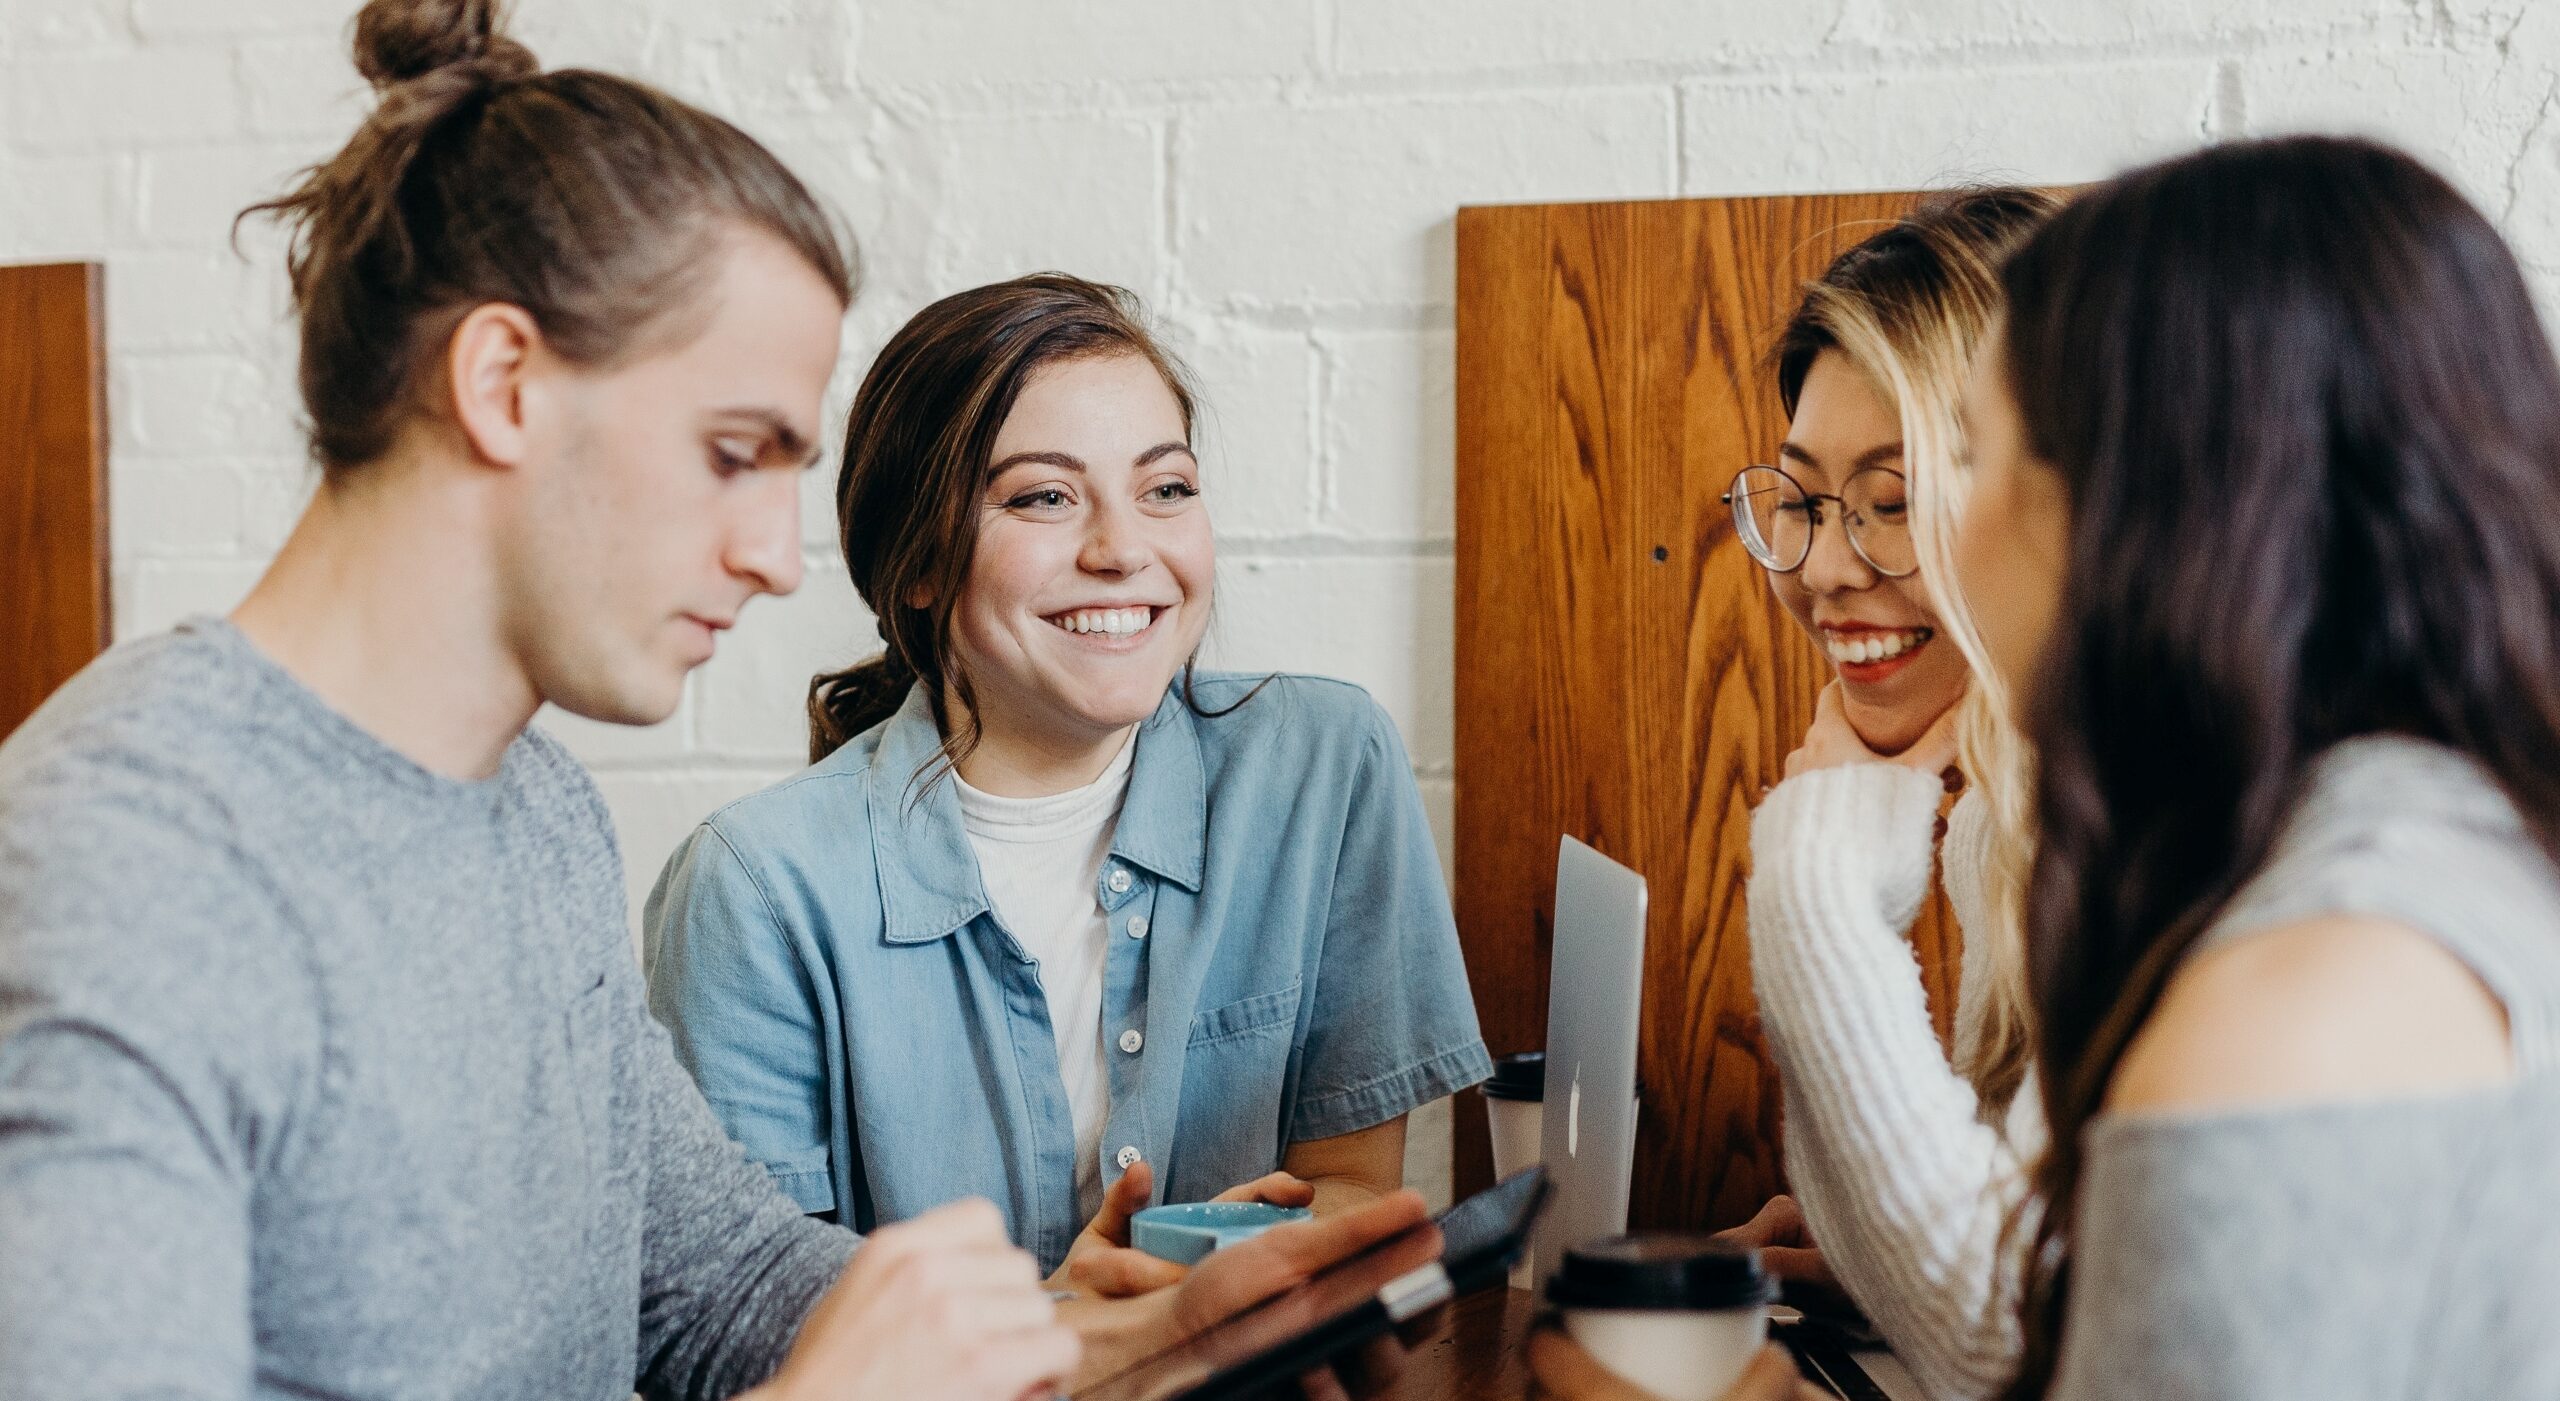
{"x": 1103, "y": 1263}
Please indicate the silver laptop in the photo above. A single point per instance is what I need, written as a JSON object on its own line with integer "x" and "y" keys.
{"x": 1595, "y": 997}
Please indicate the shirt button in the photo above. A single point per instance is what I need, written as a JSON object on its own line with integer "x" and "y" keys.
{"x": 1127, "y": 1159}
{"x": 1131, "y": 1040}
{"x": 1119, "y": 881}
{"x": 1137, "y": 926}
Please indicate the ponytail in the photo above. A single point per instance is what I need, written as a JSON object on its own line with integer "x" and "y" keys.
{"x": 845, "y": 703}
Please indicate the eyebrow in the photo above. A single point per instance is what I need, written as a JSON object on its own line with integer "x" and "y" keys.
{"x": 1869, "y": 458}
{"x": 793, "y": 444}
{"x": 1065, "y": 462}
{"x": 1068, "y": 462}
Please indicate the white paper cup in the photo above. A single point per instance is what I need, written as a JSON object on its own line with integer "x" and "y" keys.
{"x": 1676, "y": 1314}
{"x": 1516, "y": 1128}
{"x": 1515, "y": 1110}
{"x": 1514, "y": 1106}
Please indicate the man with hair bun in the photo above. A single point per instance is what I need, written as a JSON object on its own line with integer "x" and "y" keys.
{"x": 325, "y": 1066}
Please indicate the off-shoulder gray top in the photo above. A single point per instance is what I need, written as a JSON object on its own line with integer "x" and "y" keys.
{"x": 2406, "y": 1248}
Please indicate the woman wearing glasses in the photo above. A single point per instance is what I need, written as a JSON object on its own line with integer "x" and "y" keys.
{"x": 1904, "y": 1163}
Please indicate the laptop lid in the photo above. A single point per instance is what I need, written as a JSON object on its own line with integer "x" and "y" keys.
{"x": 1595, "y": 995}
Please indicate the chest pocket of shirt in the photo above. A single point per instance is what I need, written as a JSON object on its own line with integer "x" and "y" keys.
{"x": 1232, "y": 1075}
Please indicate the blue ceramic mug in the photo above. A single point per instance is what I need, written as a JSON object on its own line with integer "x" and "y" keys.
{"x": 1186, "y": 1233}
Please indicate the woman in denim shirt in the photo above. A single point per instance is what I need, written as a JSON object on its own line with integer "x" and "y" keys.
{"x": 1052, "y": 918}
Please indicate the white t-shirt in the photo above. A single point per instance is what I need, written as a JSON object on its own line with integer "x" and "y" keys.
{"x": 1041, "y": 860}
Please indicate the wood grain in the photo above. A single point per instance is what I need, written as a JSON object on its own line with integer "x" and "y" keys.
{"x": 1624, "y": 674}
{"x": 1477, "y": 1350}
{"x": 53, "y": 492}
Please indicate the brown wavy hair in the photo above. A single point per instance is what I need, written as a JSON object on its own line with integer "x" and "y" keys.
{"x": 2308, "y": 426}
{"x": 592, "y": 202}
{"x": 916, "y": 450}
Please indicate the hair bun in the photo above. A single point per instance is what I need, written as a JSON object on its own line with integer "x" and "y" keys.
{"x": 398, "y": 40}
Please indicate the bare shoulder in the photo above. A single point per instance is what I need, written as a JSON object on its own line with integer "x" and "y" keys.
{"x": 2329, "y": 1009}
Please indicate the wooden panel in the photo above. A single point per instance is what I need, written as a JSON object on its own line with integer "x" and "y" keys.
{"x": 1624, "y": 673}
{"x": 53, "y": 502}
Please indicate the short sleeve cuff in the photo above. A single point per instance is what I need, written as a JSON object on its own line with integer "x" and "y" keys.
{"x": 1374, "y": 1102}
{"x": 809, "y": 1186}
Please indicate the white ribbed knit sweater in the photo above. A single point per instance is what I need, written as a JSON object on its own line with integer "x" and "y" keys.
{"x": 1906, "y": 1188}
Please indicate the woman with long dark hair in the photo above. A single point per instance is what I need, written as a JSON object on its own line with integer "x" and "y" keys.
{"x": 2263, "y": 527}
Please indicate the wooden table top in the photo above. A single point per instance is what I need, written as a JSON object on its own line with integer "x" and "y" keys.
{"x": 1478, "y": 1353}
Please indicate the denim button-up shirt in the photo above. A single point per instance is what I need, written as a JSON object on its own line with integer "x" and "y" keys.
{"x": 1280, "y": 941}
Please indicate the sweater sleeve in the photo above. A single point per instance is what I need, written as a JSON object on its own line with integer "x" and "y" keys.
{"x": 1906, "y": 1189}
{"x": 157, "y": 1039}
{"x": 730, "y": 1266}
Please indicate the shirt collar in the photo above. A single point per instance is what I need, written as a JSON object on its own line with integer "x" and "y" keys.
{"x": 1164, "y": 825}
{"x": 929, "y": 881}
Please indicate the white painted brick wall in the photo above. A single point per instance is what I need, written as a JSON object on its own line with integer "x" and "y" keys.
{"x": 1277, "y": 178}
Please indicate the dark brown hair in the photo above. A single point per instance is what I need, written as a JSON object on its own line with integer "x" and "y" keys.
{"x": 2309, "y": 429}
{"x": 592, "y": 202}
{"x": 916, "y": 451}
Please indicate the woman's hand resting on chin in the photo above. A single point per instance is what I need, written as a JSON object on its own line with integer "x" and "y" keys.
{"x": 1832, "y": 742}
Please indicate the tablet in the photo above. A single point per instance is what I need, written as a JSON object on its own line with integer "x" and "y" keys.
{"x": 1357, "y": 1301}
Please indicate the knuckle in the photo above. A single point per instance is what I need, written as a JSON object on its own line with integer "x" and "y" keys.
{"x": 980, "y": 1218}
{"x": 947, "y": 1315}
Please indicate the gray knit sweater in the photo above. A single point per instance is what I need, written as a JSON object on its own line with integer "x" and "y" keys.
{"x": 2401, "y": 1248}
{"x": 321, "y": 1075}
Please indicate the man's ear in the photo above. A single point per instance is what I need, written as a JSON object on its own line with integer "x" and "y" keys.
{"x": 485, "y": 361}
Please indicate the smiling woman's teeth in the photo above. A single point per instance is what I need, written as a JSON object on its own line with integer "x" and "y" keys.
{"x": 1874, "y": 646}
{"x": 1109, "y": 622}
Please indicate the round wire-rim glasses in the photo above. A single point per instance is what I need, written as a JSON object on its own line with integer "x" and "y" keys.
{"x": 1777, "y": 518}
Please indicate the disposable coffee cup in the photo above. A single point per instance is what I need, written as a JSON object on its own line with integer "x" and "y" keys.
{"x": 1515, "y": 1107}
{"x": 1513, "y": 1101}
{"x": 1677, "y": 1314}
{"x": 1515, "y": 1112}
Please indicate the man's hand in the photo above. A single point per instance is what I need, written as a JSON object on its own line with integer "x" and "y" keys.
{"x": 1102, "y": 1261}
{"x": 941, "y": 1306}
{"x": 1118, "y": 1332}
{"x": 1243, "y": 1275}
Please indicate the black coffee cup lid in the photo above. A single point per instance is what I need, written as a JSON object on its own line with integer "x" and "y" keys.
{"x": 1523, "y": 1076}
{"x": 1661, "y": 1270}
